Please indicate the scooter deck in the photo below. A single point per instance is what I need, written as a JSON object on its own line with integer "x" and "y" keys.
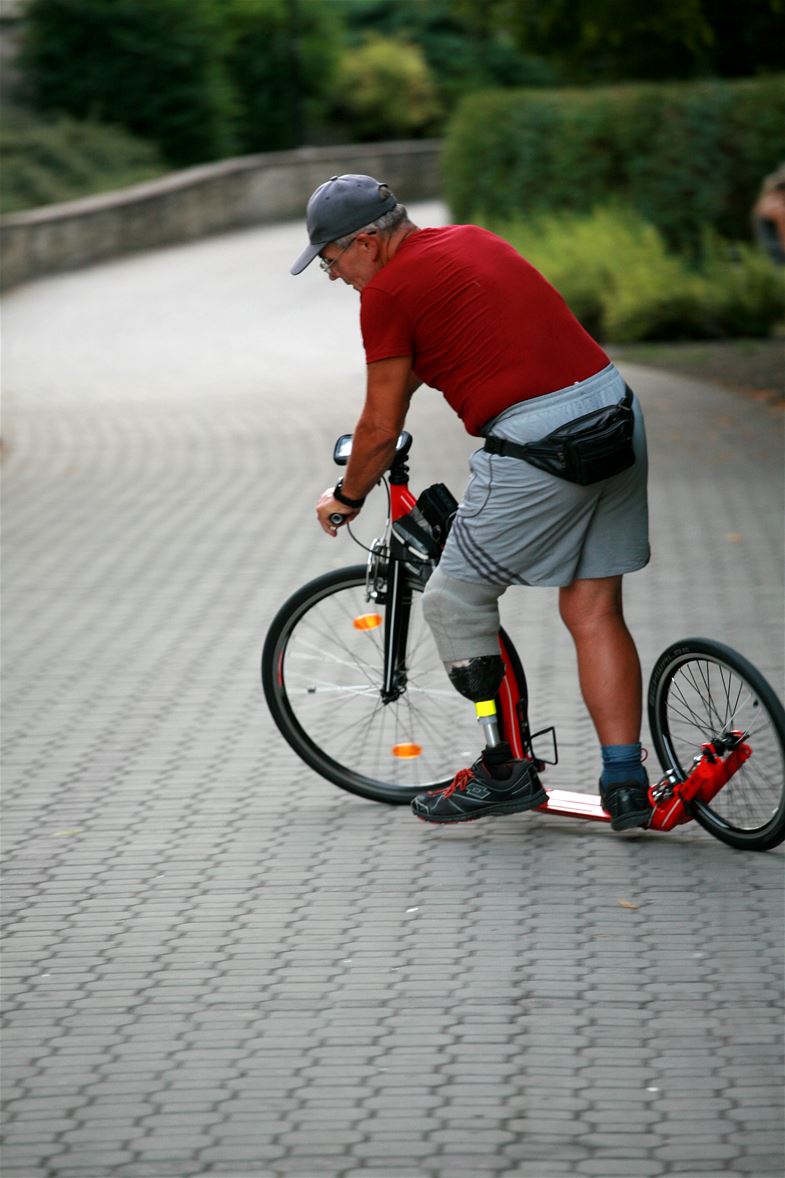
{"x": 574, "y": 805}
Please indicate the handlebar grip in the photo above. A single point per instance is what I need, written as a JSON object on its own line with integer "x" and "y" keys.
{"x": 337, "y": 518}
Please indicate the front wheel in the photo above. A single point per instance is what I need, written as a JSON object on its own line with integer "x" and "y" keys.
{"x": 701, "y": 690}
{"x": 322, "y": 669}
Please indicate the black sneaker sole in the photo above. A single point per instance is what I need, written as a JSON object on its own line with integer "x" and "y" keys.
{"x": 628, "y": 821}
{"x": 517, "y": 807}
{"x": 627, "y": 804}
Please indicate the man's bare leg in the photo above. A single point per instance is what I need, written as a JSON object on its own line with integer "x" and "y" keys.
{"x": 609, "y": 671}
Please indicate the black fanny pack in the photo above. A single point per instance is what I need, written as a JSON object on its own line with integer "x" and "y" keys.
{"x": 595, "y": 446}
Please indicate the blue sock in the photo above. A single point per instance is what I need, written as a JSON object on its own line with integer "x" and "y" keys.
{"x": 622, "y": 762}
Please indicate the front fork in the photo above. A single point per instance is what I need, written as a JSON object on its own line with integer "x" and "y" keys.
{"x": 396, "y": 631}
{"x": 712, "y": 769}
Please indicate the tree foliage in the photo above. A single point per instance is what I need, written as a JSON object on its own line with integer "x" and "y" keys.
{"x": 475, "y": 43}
{"x": 613, "y": 40}
{"x": 282, "y": 56}
{"x": 152, "y": 66}
{"x": 462, "y": 52}
{"x": 202, "y": 79}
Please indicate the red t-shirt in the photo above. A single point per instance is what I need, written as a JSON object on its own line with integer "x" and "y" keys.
{"x": 479, "y": 322}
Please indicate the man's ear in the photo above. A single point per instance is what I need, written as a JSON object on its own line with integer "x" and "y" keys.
{"x": 369, "y": 242}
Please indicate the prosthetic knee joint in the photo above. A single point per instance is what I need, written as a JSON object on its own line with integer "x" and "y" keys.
{"x": 479, "y": 679}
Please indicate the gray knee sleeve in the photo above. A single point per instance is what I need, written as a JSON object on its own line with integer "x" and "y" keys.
{"x": 463, "y": 617}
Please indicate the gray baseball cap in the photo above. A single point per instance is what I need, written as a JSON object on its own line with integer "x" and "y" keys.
{"x": 339, "y": 206}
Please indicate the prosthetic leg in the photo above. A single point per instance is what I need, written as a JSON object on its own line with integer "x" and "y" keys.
{"x": 478, "y": 680}
{"x": 496, "y": 784}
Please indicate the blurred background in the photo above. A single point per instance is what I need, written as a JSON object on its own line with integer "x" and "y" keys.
{"x": 609, "y": 143}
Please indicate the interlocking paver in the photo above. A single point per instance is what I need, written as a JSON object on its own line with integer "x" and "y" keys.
{"x": 216, "y": 962}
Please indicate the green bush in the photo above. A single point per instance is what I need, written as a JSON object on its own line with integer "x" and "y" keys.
{"x": 742, "y": 289}
{"x": 384, "y": 90}
{"x": 687, "y": 155}
{"x": 466, "y": 47}
{"x": 280, "y": 92}
{"x": 48, "y": 162}
{"x": 152, "y": 66}
{"x": 617, "y": 276}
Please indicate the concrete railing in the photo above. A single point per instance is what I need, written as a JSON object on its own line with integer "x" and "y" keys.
{"x": 213, "y": 198}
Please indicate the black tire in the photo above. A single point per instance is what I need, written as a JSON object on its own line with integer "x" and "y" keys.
{"x": 698, "y": 690}
{"x": 321, "y": 677}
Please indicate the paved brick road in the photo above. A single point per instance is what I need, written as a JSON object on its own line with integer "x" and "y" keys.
{"x": 215, "y": 962}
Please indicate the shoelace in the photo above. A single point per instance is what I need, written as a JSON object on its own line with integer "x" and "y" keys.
{"x": 459, "y": 781}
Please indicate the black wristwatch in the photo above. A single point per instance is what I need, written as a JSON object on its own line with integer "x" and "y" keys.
{"x": 347, "y": 502}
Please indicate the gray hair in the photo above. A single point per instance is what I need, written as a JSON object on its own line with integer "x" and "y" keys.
{"x": 384, "y": 225}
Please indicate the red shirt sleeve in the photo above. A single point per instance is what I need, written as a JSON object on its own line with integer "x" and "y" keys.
{"x": 386, "y": 331}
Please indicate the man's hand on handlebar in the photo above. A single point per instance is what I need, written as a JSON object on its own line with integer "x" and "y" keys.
{"x": 328, "y": 509}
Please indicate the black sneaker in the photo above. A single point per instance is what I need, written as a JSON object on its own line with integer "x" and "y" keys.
{"x": 475, "y": 793}
{"x": 628, "y": 804}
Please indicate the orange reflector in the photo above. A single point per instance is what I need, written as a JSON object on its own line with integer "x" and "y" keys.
{"x": 407, "y": 750}
{"x": 367, "y": 621}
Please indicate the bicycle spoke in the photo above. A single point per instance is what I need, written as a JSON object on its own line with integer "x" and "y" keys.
{"x": 316, "y": 649}
{"x": 332, "y": 672}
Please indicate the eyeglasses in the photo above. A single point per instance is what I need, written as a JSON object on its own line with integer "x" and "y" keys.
{"x": 326, "y": 264}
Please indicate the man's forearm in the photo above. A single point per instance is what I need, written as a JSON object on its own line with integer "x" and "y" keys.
{"x": 388, "y": 392}
{"x": 372, "y": 453}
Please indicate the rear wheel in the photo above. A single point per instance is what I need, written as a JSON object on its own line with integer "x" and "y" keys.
{"x": 701, "y": 690}
{"x": 322, "y": 668}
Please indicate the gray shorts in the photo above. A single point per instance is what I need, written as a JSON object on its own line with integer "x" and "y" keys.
{"x": 518, "y": 525}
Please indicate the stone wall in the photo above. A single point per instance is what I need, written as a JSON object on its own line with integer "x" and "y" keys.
{"x": 212, "y": 198}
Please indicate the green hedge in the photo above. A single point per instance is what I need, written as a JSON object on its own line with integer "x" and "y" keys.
{"x": 686, "y": 155}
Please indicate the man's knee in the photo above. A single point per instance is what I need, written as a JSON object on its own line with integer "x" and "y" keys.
{"x": 590, "y": 602}
{"x": 463, "y": 617}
